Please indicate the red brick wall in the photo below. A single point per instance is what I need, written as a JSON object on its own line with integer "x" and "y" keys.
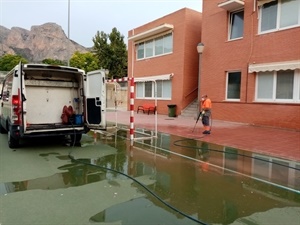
{"x": 271, "y": 115}
{"x": 183, "y": 62}
{"x": 221, "y": 55}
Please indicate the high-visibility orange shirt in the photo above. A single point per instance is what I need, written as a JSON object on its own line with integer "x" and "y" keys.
{"x": 206, "y": 104}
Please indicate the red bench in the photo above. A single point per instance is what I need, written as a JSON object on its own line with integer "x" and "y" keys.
{"x": 147, "y": 108}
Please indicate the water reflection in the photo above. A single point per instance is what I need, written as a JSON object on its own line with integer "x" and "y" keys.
{"x": 77, "y": 175}
{"x": 212, "y": 183}
{"x": 218, "y": 184}
{"x": 142, "y": 211}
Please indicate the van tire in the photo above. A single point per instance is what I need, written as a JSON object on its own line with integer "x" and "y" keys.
{"x": 12, "y": 142}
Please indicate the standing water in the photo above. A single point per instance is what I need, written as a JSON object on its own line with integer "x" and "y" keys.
{"x": 166, "y": 180}
{"x": 193, "y": 182}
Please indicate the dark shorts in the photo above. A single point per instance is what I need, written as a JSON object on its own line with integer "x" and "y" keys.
{"x": 205, "y": 120}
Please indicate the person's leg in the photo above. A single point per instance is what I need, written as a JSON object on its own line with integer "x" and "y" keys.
{"x": 205, "y": 122}
{"x": 207, "y": 127}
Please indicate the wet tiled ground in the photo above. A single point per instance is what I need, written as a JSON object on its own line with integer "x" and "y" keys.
{"x": 281, "y": 143}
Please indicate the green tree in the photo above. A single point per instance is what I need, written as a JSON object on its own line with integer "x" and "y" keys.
{"x": 54, "y": 62}
{"x": 111, "y": 52}
{"x": 86, "y": 61}
{"x": 8, "y": 61}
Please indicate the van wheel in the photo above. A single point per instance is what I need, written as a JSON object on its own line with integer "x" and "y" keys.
{"x": 12, "y": 142}
{"x": 75, "y": 138}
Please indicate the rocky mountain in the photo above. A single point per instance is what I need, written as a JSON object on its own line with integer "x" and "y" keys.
{"x": 40, "y": 42}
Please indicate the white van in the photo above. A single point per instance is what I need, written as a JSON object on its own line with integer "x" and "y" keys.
{"x": 48, "y": 100}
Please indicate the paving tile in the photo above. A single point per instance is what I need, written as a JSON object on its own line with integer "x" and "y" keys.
{"x": 265, "y": 140}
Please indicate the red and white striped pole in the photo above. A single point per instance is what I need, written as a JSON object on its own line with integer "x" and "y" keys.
{"x": 131, "y": 109}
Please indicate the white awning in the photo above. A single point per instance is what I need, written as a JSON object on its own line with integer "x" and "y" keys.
{"x": 154, "y": 78}
{"x": 275, "y": 66}
{"x": 231, "y": 5}
{"x": 157, "y": 30}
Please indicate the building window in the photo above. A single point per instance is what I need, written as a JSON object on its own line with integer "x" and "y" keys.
{"x": 278, "y": 86}
{"x": 233, "y": 85}
{"x": 236, "y": 25}
{"x": 284, "y": 84}
{"x": 159, "y": 46}
{"x": 155, "y": 47}
{"x": 140, "y": 51}
{"x": 149, "y": 48}
{"x": 163, "y": 89}
{"x": 168, "y": 43}
{"x": 279, "y": 14}
{"x": 146, "y": 90}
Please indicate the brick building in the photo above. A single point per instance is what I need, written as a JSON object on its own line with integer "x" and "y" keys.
{"x": 250, "y": 65}
{"x": 163, "y": 54}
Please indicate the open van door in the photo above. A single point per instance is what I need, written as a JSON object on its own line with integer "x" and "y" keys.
{"x": 18, "y": 98}
{"x": 16, "y": 106}
{"x": 22, "y": 97}
{"x": 95, "y": 99}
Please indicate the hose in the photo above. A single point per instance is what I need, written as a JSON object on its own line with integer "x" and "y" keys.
{"x": 215, "y": 150}
{"x": 176, "y": 143}
{"x": 220, "y": 151}
{"x": 136, "y": 181}
{"x": 142, "y": 185}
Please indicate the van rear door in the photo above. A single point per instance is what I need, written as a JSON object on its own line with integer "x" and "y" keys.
{"x": 22, "y": 97}
{"x": 18, "y": 98}
{"x": 95, "y": 99}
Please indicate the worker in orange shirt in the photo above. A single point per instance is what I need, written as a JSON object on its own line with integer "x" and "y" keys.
{"x": 205, "y": 113}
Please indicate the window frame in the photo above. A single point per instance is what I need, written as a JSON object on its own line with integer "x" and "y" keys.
{"x": 296, "y": 88}
{"x": 165, "y": 39}
{"x": 227, "y": 86}
{"x": 141, "y": 92}
{"x": 278, "y": 18}
{"x": 231, "y": 21}
{"x": 6, "y": 90}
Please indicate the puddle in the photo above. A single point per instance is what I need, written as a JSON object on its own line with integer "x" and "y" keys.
{"x": 141, "y": 211}
{"x": 216, "y": 184}
{"x": 176, "y": 178}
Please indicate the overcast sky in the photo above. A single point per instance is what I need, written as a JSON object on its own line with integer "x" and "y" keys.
{"x": 89, "y": 16}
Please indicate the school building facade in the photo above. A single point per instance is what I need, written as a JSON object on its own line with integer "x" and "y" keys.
{"x": 249, "y": 63}
{"x": 163, "y": 60}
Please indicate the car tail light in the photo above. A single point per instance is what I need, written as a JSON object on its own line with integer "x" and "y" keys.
{"x": 16, "y": 107}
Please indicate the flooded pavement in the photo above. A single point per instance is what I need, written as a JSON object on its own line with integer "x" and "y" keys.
{"x": 165, "y": 180}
